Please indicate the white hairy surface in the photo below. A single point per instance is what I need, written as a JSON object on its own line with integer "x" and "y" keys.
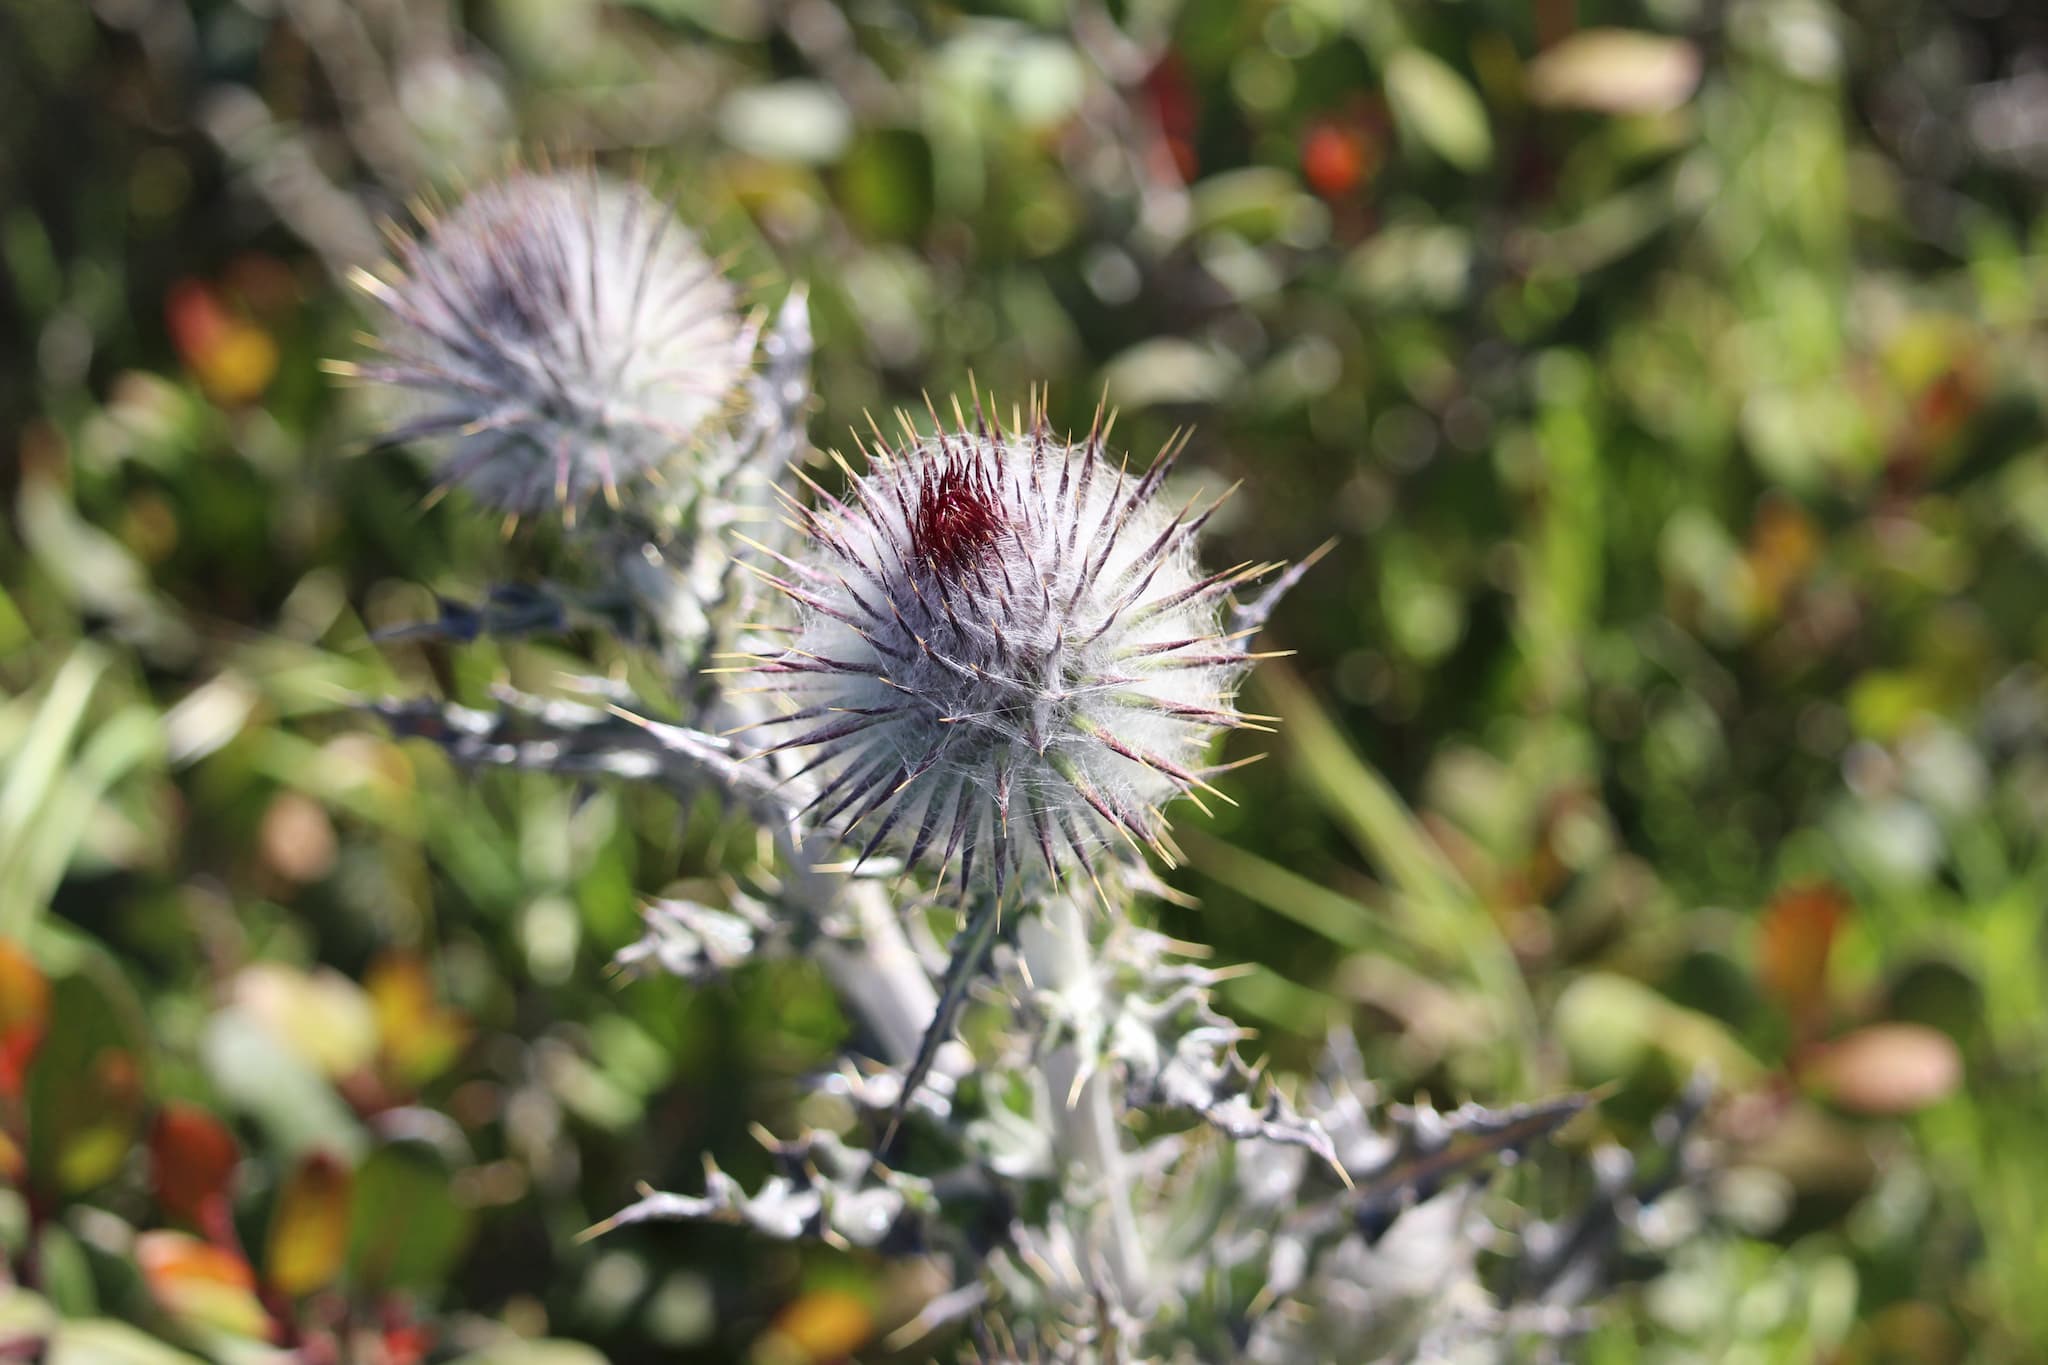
{"x": 562, "y": 334}
{"x": 1007, "y": 657}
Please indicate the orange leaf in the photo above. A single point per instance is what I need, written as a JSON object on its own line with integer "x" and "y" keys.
{"x": 1793, "y": 943}
{"x": 233, "y": 358}
{"x": 309, "y": 1231}
{"x": 192, "y": 1158}
{"x": 201, "y": 1283}
{"x": 822, "y": 1325}
{"x": 1886, "y": 1069}
{"x": 1784, "y": 544}
{"x": 24, "y": 1015}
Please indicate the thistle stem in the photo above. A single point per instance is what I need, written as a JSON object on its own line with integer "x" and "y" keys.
{"x": 880, "y": 980}
{"x": 966, "y": 961}
{"x": 1061, "y": 954}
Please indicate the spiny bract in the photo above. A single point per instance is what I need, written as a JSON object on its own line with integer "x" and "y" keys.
{"x": 566, "y": 333}
{"x": 1007, "y": 654}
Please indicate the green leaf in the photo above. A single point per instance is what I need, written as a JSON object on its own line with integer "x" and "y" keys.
{"x": 257, "y": 1074}
{"x": 1426, "y": 265}
{"x": 1437, "y": 908}
{"x": 86, "y": 1088}
{"x": 1335, "y": 916}
{"x": 1611, "y": 1025}
{"x": 64, "y": 1273}
{"x": 24, "y": 1316}
{"x": 797, "y": 120}
{"x": 1258, "y": 203}
{"x": 886, "y": 183}
{"x": 1437, "y": 104}
{"x": 103, "y": 1341}
{"x": 1358, "y": 798}
{"x": 534, "y": 1353}
{"x": 1271, "y": 997}
{"x": 1170, "y": 370}
{"x": 408, "y": 1229}
{"x": 34, "y": 774}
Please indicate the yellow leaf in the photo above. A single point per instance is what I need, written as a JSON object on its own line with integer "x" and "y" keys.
{"x": 321, "y": 1015}
{"x": 239, "y": 366}
{"x": 419, "y": 1036}
{"x": 310, "y": 1229}
{"x": 13, "y": 1165}
{"x": 823, "y": 1325}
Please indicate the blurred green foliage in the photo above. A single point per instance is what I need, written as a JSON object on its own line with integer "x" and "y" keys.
{"x": 1670, "y": 374}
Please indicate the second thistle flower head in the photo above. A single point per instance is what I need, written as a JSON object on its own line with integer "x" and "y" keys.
{"x": 564, "y": 334}
{"x": 1008, "y": 656}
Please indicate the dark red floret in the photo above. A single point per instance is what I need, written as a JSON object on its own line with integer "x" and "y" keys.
{"x": 958, "y": 517}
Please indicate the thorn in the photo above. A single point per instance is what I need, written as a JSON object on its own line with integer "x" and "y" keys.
{"x": 1082, "y": 1075}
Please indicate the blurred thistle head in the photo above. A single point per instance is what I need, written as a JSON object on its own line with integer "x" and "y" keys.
{"x": 1008, "y": 658}
{"x": 561, "y": 333}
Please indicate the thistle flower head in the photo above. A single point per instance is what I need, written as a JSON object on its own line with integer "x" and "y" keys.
{"x": 1007, "y": 656}
{"x": 564, "y": 333}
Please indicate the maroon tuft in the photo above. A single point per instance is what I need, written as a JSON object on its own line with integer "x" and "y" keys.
{"x": 957, "y": 517}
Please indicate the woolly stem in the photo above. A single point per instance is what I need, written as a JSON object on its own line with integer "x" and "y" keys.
{"x": 880, "y": 980}
{"x": 1061, "y": 956}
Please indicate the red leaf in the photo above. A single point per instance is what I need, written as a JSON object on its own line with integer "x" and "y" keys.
{"x": 1171, "y": 94}
{"x": 1336, "y": 158}
{"x": 195, "y": 319}
{"x": 24, "y": 1015}
{"x": 408, "y": 1344}
{"x": 192, "y": 1158}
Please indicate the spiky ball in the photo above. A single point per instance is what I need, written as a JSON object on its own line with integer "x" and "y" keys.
{"x": 1008, "y": 658}
{"x": 564, "y": 334}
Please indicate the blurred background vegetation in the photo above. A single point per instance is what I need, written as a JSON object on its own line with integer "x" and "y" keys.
{"x": 1670, "y": 374}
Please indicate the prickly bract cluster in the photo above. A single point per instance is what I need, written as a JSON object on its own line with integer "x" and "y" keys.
{"x": 1007, "y": 657}
{"x": 562, "y": 334}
